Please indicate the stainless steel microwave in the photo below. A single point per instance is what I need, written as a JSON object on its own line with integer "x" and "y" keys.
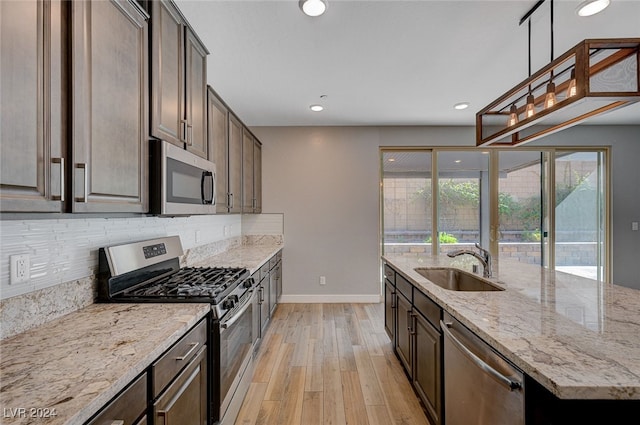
{"x": 181, "y": 183}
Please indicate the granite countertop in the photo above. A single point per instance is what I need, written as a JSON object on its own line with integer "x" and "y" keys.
{"x": 77, "y": 363}
{"x": 578, "y": 338}
{"x": 251, "y": 257}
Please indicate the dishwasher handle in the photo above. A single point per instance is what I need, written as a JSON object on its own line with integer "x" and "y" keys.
{"x": 509, "y": 383}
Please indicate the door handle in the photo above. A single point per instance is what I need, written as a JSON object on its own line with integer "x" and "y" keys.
{"x": 183, "y": 123}
{"x": 61, "y": 162}
{"x": 83, "y": 166}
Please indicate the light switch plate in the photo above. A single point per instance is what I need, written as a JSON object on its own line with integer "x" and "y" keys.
{"x": 634, "y": 226}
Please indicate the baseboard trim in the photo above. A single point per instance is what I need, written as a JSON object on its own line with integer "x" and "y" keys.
{"x": 324, "y": 299}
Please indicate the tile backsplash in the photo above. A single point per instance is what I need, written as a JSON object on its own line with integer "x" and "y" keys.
{"x": 66, "y": 250}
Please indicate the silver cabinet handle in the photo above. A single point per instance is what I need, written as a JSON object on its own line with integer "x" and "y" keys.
{"x": 183, "y": 123}
{"x": 510, "y": 384}
{"x": 393, "y": 300}
{"x": 83, "y": 166}
{"x": 194, "y": 345}
{"x": 189, "y": 134}
{"x": 409, "y": 321}
{"x": 230, "y": 202}
{"x": 61, "y": 162}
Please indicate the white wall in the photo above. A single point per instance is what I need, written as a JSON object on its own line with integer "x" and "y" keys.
{"x": 326, "y": 182}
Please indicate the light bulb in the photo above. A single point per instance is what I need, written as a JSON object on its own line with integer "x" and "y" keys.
{"x": 513, "y": 116}
{"x": 572, "y": 90}
{"x": 550, "y": 98}
{"x": 591, "y": 7}
{"x": 530, "y": 110}
{"x": 313, "y": 7}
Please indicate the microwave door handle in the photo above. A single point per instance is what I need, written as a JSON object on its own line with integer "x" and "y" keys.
{"x": 206, "y": 175}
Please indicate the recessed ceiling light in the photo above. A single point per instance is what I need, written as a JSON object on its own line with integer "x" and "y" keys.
{"x": 313, "y": 7}
{"x": 458, "y": 161}
{"x": 316, "y": 108}
{"x": 391, "y": 159}
{"x": 460, "y": 106}
{"x": 591, "y": 7}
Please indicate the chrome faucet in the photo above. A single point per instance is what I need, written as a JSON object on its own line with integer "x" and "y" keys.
{"x": 484, "y": 257}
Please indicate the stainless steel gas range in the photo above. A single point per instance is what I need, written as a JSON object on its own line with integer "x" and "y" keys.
{"x": 149, "y": 271}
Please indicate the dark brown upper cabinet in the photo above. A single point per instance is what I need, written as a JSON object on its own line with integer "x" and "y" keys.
{"x": 178, "y": 80}
{"x": 32, "y": 138}
{"x": 109, "y": 107}
{"x": 74, "y": 106}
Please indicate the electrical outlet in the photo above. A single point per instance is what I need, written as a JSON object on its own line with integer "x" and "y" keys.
{"x": 323, "y": 280}
{"x": 20, "y": 265}
{"x": 225, "y": 230}
{"x": 634, "y": 226}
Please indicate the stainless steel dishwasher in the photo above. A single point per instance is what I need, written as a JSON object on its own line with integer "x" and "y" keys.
{"x": 480, "y": 387}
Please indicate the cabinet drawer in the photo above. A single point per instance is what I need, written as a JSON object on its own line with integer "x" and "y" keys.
{"x": 178, "y": 356}
{"x": 429, "y": 309}
{"x": 127, "y": 406}
{"x": 404, "y": 287}
{"x": 389, "y": 274}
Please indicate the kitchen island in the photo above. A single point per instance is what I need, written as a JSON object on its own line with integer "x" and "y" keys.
{"x": 578, "y": 338}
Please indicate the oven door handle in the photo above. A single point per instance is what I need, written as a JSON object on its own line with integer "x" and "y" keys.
{"x": 236, "y": 317}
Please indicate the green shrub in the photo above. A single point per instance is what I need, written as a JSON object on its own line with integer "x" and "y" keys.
{"x": 444, "y": 238}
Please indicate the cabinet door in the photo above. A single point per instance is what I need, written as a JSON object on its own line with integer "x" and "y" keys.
{"x": 426, "y": 377}
{"x": 196, "y": 94}
{"x": 404, "y": 330}
{"x": 31, "y": 104}
{"x": 278, "y": 281}
{"x": 184, "y": 402}
{"x": 248, "y": 201}
{"x": 257, "y": 177}
{"x": 390, "y": 311}
{"x": 235, "y": 164}
{"x": 218, "y": 131}
{"x": 265, "y": 311}
{"x": 273, "y": 289}
{"x": 167, "y": 73}
{"x": 110, "y": 124}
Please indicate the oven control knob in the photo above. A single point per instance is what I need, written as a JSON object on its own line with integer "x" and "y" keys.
{"x": 228, "y": 304}
{"x": 247, "y": 283}
{"x": 234, "y": 297}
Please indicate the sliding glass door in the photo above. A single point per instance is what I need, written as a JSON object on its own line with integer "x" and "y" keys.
{"x": 406, "y": 201}
{"x": 580, "y": 211}
{"x": 546, "y": 206}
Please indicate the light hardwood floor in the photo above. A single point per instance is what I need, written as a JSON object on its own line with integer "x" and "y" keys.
{"x": 329, "y": 364}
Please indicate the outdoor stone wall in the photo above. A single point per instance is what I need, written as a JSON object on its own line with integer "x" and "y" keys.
{"x": 567, "y": 254}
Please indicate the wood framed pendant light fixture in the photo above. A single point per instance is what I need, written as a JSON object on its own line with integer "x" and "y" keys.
{"x": 593, "y": 77}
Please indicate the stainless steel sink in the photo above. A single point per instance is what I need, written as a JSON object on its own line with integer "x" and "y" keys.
{"x": 457, "y": 280}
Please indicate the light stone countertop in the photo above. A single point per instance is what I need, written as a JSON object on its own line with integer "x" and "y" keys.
{"x": 77, "y": 363}
{"x": 251, "y": 257}
{"x": 578, "y": 338}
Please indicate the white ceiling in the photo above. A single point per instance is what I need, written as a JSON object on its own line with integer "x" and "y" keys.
{"x": 390, "y": 62}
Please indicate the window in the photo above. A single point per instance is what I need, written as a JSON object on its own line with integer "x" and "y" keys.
{"x": 550, "y": 204}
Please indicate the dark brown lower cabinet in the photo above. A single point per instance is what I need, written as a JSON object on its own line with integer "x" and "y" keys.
{"x": 427, "y": 366}
{"x": 390, "y": 311}
{"x": 403, "y": 337}
{"x": 184, "y": 401}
